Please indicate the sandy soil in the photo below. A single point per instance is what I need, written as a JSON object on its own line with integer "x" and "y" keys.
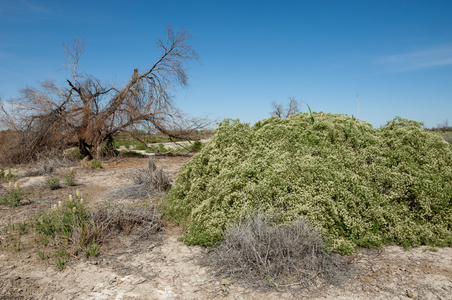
{"x": 162, "y": 267}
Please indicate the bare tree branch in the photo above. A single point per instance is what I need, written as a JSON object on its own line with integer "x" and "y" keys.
{"x": 281, "y": 112}
{"x": 87, "y": 112}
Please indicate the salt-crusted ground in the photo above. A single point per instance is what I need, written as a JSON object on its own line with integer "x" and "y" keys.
{"x": 162, "y": 267}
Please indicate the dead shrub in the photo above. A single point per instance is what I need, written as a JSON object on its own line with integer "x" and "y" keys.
{"x": 113, "y": 219}
{"x": 263, "y": 253}
{"x": 151, "y": 177}
{"x": 147, "y": 182}
{"x": 47, "y": 166}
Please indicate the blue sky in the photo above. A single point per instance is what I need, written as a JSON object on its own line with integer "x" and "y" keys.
{"x": 397, "y": 55}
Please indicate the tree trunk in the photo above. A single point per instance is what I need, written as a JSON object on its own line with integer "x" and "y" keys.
{"x": 84, "y": 148}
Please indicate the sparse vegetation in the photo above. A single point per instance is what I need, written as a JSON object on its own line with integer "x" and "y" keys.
{"x": 147, "y": 182}
{"x": 7, "y": 176}
{"x": 359, "y": 186}
{"x": 53, "y": 183}
{"x": 76, "y": 154}
{"x": 67, "y": 226}
{"x": 69, "y": 177}
{"x": 95, "y": 164}
{"x": 128, "y": 153}
{"x": 13, "y": 196}
{"x": 70, "y": 228}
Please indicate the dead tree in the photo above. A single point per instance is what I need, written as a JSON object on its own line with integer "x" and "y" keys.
{"x": 281, "y": 112}
{"x": 87, "y": 112}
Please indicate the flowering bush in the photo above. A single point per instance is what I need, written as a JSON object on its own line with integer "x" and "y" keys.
{"x": 358, "y": 185}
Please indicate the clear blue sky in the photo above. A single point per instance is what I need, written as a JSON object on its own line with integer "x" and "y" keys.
{"x": 396, "y": 54}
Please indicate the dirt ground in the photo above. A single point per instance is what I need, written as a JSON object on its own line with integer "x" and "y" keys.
{"x": 162, "y": 267}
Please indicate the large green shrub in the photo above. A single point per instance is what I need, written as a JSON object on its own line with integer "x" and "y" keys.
{"x": 358, "y": 185}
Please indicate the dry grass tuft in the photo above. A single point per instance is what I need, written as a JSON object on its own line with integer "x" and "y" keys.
{"x": 147, "y": 182}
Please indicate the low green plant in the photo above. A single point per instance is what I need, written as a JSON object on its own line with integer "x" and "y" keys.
{"x": 42, "y": 255}
{"x": 75, "y": 154}
{"x": 430, "y": 249}
{"x": 129, "y": 153}
{"x": 43, "y": 240}
{"x": 17, "y": 245}
{"x": 68, "y": 225}
{"x": 53, "y": 183}
{"x": 60, "y": 259}
{"x": 63, "y": 219}
{"x": 140, "y": 147}
{"x": 69, "y": 177}
{"x": 7, "y": 176}
{"x": 95, "y": 164}
{"x": 124, "y": 142}
{"x": 22, "y": 228}
{"x": 91, "y": 250}
{"x": 196, "y": 147}
{"x": 13, "y": 197}
{"x": 161, "y": 148}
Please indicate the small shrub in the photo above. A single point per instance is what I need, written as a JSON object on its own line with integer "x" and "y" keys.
{"x": 151, "y": 177}
{"x": 95, "y": 164}
{"x": 118, "y": 218}
{"x": 69, "y": 177}
{"x": 91, "y": 250}
{"x": 196, "y": 147}
{"x": 12, "y": 197}
{"x": 60, "y": 259}
{"x": 53, "y": 183}
{"x": 7, "y": 176}
{"x": 75, "y": 154}
{"x": 67, "y": 226}
{"x": 149, "y": 181}
{"x": 48, "y": 165}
